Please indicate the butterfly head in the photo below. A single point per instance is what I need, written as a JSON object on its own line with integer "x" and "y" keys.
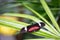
{"x": 41, "y": 24}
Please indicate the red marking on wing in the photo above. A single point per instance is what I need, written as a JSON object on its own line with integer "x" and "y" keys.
{"x": 33, "y": 28}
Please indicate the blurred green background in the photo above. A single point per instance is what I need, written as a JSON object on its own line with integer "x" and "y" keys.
{"x": 13, "y": 7}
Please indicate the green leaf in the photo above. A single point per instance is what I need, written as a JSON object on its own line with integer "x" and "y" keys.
{"x": 18, "y": 25}
{"x": 26, "y": 16}
{"x": 13, "y": 24}
{"x": 50, "y": 14}
{"x": 52, "y": 29}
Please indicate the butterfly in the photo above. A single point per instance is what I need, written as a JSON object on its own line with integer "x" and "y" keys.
{"x": 33, "y": 27}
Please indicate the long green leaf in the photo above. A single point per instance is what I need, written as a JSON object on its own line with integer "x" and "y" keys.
{"x": 52, "y": 29}
{"x": 40, "y": 39}
{"x": 27, "y": 16}
{"x": 50, "y": 14}
{"x": 23, "y": 15}
{"x": 17, "y": 25}
{"x": 12, "y": 23}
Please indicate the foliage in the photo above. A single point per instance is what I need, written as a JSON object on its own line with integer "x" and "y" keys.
{"x": 53, "y": 30}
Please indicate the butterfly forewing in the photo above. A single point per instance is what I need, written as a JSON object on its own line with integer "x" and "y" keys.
{"x": 33, "y": 28}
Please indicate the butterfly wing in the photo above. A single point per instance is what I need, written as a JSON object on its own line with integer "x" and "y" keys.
{"x": 32, "y": 28}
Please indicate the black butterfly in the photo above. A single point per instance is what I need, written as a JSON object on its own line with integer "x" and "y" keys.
{"x": 32, "y": 28}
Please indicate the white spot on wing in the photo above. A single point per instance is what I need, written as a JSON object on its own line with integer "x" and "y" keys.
{"x": 25, "y": 28}
{"x": 39, "y": 24}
